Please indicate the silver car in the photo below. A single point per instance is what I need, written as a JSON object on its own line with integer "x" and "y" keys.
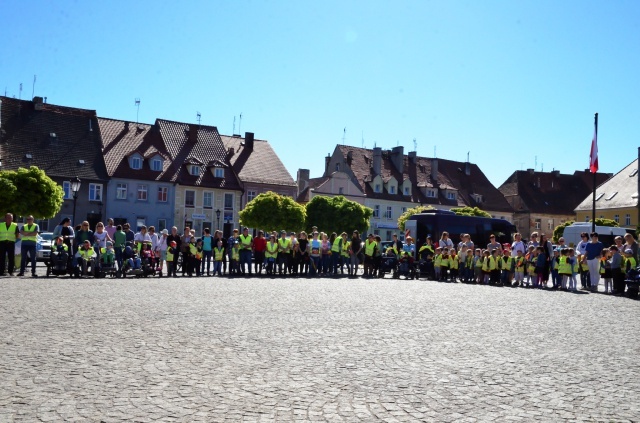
{"x": 43, "y": 247}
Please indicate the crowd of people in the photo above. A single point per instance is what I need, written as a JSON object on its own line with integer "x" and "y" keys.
{"x": 535, "y": 263}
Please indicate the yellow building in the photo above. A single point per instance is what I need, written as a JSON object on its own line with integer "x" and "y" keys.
{"x": 616, "y": 199}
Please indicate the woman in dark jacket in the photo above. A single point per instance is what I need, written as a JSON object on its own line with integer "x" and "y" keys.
{"x": 356, "y": 253}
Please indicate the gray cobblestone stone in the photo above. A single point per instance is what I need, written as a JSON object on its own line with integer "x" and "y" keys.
{"x": 221, "y": 350}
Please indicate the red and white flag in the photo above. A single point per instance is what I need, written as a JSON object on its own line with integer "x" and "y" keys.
{"x": 593, "y": 162}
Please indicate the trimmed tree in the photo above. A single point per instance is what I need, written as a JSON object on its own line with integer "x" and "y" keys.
{"x": 470, "y": 211}
{"x": 337, "y": 214}
{"x": 35, "y": 193}
{"x": 410, "y": 212}
{"x": 273, "y": 212}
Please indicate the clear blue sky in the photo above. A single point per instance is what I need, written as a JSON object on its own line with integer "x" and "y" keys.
{"x": 505, "y": 80}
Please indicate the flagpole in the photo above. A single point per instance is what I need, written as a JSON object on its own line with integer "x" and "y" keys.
{"x": 593, "y": 209}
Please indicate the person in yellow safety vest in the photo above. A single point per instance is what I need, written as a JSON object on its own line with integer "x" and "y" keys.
{"x": 218, "y": 256}
{"x": 344, "y": 258}
{"x": 29, "y": 236}
{"x": 172, "y": 252}
{"x": 506, "y": 266}
{"x": 9, "y": 233}
{"x": 336, "y": 251}
{"x": 437, "y": 264}
{"x": 519, "y": 268}
{"x": 494, "y": 268}
{"x": 235, "y": 259}
{"x": 271, "y": 254}
{"x": 370, "y": 247}
{"x": 108, "y": 254}
{"x": 284, "y": 252}
{"x": 194, "y": 257}
{"x": 454, "y": 265}
{"x": 564, "y": 268}
{"x": 86, "y": 257}
{"x": 246, "y": 246}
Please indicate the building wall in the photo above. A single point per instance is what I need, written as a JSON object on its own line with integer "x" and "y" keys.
{"x": 150, "y": 212}
{"x": 621, "y": 213}
{"x": 228, "y": 217}
{"x": 384, "y": 225}
{"x": 257, "y": 189}
{"x": 527, "y": 223}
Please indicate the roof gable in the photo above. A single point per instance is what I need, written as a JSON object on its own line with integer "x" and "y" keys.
{"x": 619, "y": 191}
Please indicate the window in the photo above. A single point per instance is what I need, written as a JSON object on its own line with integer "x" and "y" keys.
{"x": 228, "y": 207}
{"x": 616, "y": 218}
{"x": 163, "y": 194}
{"x": 142, "y": 193}
{"x": 66, "y": 187}
{"x": 627, "y": 220}
{"x": 451, "y": 196}
{"x": 337, "y": 167}
{"x": 95, "y": 192}
{"x": 392, "y": 190}
{"x": 550, "y": 224}
{"x": 207, "y": 199}
{"x": 376, "y": 232}
{"x": 162, "y": 224}
{"x": 376, "y": 188}
{"x": 140, "y": 222}
{"x": 121, "y": 191}
{"x": 538, "y": 223}
{"x": 218, "y": 172}
{"x": 194, "y": 170}
{"x": 431, "y": 193}
{"x": 189, "y": 198}
{"x": 376, "y": 211}
{"x": 388, "y": 212}
{"x": 251, "y": 195}
{"x": 600, "y": 196}
{"x": 403, "y": 209}
{"x": 341, "y": 190}
{"x": 611, "y": 196}
{"x": 389, "y": 235}
{"x": 156, "y": 165}
{"x": 136, "y": 163}
{"x": 407, "y": 191}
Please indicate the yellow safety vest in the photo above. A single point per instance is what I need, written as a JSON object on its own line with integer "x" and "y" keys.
{"x": 506, "y": 264}
{"x": 628, "y": 264}
{"x": 245, "y": 241}
{"x": 218, "y": 254}
{"x": 272, "y": 250}
{"x": 337, "y": 245}
{"x": 369, "y": 247}
{"x": 87, "y": 254}
{"x": 169, "y": 254}
{"x": 437, "y": 260}
{"x": 520, "y": 264}
{"x": 26, "y": 228}
{"x": 8, "y": 234}
{"x": 285, "y": 244}
{"x": 235, "y": 254}
{"x": 345, "y": 248}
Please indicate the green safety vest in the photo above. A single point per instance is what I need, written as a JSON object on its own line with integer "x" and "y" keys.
{"x": 26, "y": 228}
{"x": 272, "y": 250}
{"x": 285, "y": 244}
{"x": 245, "y": 242}
{"x": 345, "y": 249}
{"x": 337, "y": 245}
{"x": 8, "y": 234}
{"x": 369, "y": 247}
{"x": 218, "y": 253}
{"x": 564, "y": 267}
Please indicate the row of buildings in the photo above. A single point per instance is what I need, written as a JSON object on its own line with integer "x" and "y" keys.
{"x": 184, "y": 174}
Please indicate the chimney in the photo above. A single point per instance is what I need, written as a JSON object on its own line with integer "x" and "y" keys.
{"x": 302, "y": 179}
{"x": 248, "y": 140}
{"x": 326, "y": 163}
{"x": 377, "y": 160}
{"x": 397, "y": 157}
{"x": 193, "y": 133}
{"x": 434, "y": 169}
{"x": 555, "y": 173}
{"x": 467, "y": 168}
{"x": 531, "y": 171}
{"x": 37, "y": 103}
{"x": 126, "y": 126}
{"x": 413, "y": 157}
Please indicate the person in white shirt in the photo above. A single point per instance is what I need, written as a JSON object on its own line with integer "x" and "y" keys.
{"x": 518, "y": 245}
{"x": 142, "y": 237}
{"x": 160, "y": 248}
{"x": 154, "y": 238}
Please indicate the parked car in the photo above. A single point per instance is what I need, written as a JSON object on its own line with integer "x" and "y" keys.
{"x": 43, "y": 248}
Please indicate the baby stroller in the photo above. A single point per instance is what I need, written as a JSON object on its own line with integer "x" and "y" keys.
{"x": 131, "y": 263}
{"x": 388, "y": 263}
{"x": 406, "y": 267}
{"x": 58, "y": 263}
{"x": 107, "y": 265}
{"x": 147, "y": 261}
{"x": 632, "y": 280}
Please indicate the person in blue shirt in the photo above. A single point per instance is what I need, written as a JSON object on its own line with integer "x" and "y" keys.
{"x": 593, "y": 251}
{"x": 207, "y": 251}
{"x": 409, "y": 247}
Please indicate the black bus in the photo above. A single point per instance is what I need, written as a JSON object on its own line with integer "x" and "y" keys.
{"x": 479, "y": 228}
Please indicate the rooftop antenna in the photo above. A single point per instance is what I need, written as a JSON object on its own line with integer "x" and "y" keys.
{"x": 240, "y": 124}
{"x": 415, "y": 145}
{"x": 397, "y": 143}
{"x": 542, "y": 167}
{"x": 521, "y": 165}
{"x": 362, "y": 137}
{"x": 33, "y": 90}
{"x": 5, "y": 90}
{"x": 234, "y": 125}
{"x": 468, "y": 156}
{"x": 198, "y": 117}
{"x": 20, "y": 94}
{"x": 137, "y": 103}
{"x": 535, "y": 164}
{"x": 344, "y": 134}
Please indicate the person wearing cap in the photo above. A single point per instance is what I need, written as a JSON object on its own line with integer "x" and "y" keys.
{"x": 85, "y": 258}
{"x": 284, "y": 252}
{"x": 593, "y": 252}
{"x": 246, "y": 248}
{"x": 370, "y": 247}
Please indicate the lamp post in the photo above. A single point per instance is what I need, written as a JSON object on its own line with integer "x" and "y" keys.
{"x": 75, "y": 188}
{"x": 218, "y": 217}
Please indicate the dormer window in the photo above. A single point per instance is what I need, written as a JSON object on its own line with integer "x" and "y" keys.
{"x": 218, "y": 172}
{"x": 477, "y": 198}
{"x": 431, "y": 193}
{"x": 451, "y": 195}
{"x": 377, "y": 188}
{"x": 392, "y": 189}
{"x": 407, "y": 191}
{"x": 136, "y": 163}
{"x": 194, "y": 170}
{"x": 156, "y": 165}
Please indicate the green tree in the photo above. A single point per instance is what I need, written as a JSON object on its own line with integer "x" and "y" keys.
{"x": 337, "y": 214}
{"x": 35, "y": 193}
{"x": 558, "y": 232}
{"x": 410, "y": 212}
{"x": 273, "y": 212}
{"x": 470, "y": 211}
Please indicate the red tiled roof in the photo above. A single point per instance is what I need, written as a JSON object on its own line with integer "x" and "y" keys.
{"x": 58, "y": 139}
{"x": 550, "y": 192}
{"x": 258, "y": 165}
{"x": 207, "y": 149}
{"x": 121, "y": 139}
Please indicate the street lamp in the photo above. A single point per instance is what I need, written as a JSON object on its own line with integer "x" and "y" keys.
{"x": 75, "y": 188}
{"x": 218, "y": 217}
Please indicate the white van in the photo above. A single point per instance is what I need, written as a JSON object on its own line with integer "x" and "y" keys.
{"x": 606, "y": 234}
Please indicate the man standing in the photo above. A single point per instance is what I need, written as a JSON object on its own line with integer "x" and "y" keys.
{"x": 259, "y": 249}
{"x": 246, "y": 244}
{"x": 593, "y": 251}
{"x": 8, "y": 235}
{"x": 184, "y": 249}
{"x": 174, "y": 236}
{"x": 29, "y": 234}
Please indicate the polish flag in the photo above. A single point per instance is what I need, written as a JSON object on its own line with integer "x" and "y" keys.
{"x": 593, "y": 162}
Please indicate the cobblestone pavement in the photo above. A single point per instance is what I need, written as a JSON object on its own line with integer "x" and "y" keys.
{"x": 215, "y": 349}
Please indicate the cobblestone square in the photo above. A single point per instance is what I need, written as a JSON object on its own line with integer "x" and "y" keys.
{"x": 217, "y": 349}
